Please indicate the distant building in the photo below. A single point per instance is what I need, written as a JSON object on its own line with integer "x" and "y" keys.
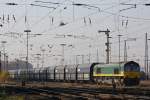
{"x": 18, "y": 64}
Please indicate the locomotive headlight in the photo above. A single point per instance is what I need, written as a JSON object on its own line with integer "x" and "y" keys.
{"x": 78, "y": 70}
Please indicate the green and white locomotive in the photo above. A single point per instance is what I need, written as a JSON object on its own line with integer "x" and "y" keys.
{"x": 123, "y": 73}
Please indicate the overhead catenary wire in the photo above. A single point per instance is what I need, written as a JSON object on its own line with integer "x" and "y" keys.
{"x": 89, "y": 16}
{"x": 36, "y": 23}
{"x": 123, "y": 16}
{"x": 111, "y": 14}
{"x": 134, "y": 17}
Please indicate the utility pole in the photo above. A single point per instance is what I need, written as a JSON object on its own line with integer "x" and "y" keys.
{"x": 107, "y": 44}
{"x": 82, "y": 59}
{"x": 146, "y": 56}
{"x": 0, "y": 62}
{"x": 119, "y": 49}
{"x": 3, "y": 42}
{"x": 7, "y": 63}
{"x": 73, "y": 15}
{"x": 89, "y": 58}
{"x": 17, "y": 63}
{"x": 38, "y": 58}
{"x": 97, "y": 56}
{"x": 4, "y": 62}
{"x": 27, "y": 57}
{"x": 63, "y": 56}
{"x": 43, "y": 50}
{"x": 90, "y": 53}
{"x": 76, "y": 59}
{"x": 148, "y": 63}
{"x": 125, "y": 50}
{"x": 110, "y": 52}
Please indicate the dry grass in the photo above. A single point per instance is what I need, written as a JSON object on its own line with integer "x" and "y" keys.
{"x": 4, "y": 76}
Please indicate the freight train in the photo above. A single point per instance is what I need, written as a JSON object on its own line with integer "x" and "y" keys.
{"x": 124, "y": 73}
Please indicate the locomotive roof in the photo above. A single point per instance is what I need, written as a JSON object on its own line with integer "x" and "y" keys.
{"x": 109, "y": 65}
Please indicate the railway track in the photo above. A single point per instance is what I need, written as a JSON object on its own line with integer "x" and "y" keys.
{"x": 84, "y": 93}
{"x": 77, "y": 91}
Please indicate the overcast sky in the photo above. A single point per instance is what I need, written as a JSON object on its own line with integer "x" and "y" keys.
{"x": 130, "y": 18}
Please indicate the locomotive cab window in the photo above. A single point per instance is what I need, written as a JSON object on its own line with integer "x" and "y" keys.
{"x": 98, "y": 71}
{"x": 116, "y": 71}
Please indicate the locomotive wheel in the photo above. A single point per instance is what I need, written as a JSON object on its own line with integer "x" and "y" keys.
{"x": 137, "y": 81}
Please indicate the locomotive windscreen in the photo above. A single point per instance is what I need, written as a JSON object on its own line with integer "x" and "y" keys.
{"x": 132, "y": 66}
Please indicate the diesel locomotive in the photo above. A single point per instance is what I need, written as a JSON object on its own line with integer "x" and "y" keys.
{"x": 124, "y": 73}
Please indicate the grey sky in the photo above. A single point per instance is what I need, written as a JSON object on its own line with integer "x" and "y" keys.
{"x": 82, "y": 26}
